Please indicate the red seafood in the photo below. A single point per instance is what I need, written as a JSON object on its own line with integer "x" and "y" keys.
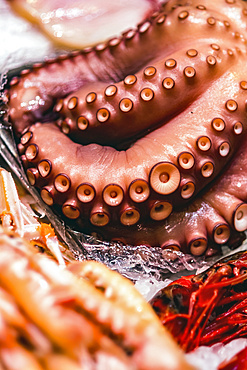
{"x": 207, "y": 308}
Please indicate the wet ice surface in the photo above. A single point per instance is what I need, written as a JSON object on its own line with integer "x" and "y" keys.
{"x": 22, "y": 44}
{"x": 206, "y": 358}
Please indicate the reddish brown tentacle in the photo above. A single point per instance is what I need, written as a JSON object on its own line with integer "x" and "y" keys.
{"x": 93, "y": 114}
{"x": 174, "y": 117}
{"x": 60, "y": 77}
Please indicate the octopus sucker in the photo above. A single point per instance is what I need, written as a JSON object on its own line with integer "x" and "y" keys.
{"x": 98, "y": 116}
{"x": 213, "y": 217}
{"x": 142, "y": 135}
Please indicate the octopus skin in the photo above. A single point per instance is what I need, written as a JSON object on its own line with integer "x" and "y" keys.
{"x": 142, "y": 138}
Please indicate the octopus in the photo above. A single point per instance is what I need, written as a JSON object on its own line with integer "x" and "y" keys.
{"x": 141, "y": 138}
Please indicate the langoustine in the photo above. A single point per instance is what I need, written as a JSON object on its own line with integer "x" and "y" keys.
{"x": 84, "y": 316}
{"x": 186, "y": 95}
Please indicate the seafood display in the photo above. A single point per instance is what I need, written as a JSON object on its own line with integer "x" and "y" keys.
{"x": 84, "y": 316}
{"x": 137, "y": 139}
{"x": 142, "y": 138}
{"x": 206, "y": 308}
{"x": 17, "y": 216}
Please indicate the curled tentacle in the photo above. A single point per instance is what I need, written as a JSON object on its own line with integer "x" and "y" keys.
{"x": 56, "y": 78}
{"x": 208, "y": 222}
{"x": 153, "y": 130}
{"x": 116, "y": 113}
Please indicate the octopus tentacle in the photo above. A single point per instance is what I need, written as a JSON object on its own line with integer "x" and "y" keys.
{"x": 33, "y": 93}
{"x": 152, "y": 129}
{"x": 168, "y": 170}
{"x": 137, "y": 103}
{"x": 231, "y": 197}
{"x": 207, "y": 222}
